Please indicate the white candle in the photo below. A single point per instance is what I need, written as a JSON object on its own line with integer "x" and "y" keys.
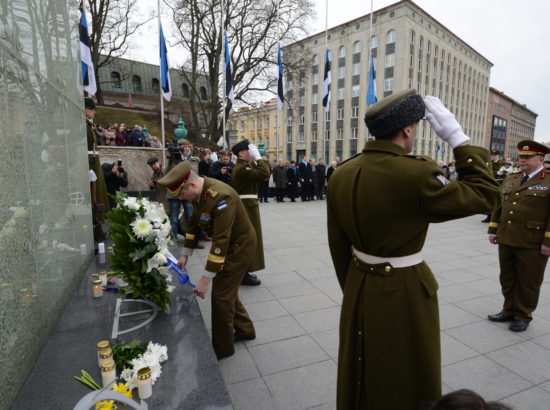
{"x": 101, "y": 247}
{"x": 103, "y": 277}
{"x": 97, "y": 289}
{"x": 145, "y": 387}
{"x": 101, "y": 345}
{"x": 108, "y": 373}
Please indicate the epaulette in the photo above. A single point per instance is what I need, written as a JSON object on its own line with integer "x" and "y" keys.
{"x": 212, "y": 193}
{"x": 420, "y": 157}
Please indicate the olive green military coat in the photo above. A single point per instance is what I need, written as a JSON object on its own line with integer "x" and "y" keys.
{"x": 95, "y": 165}
{"x": 244, "y": 179}
{"x": 523, "y": 220}
{"x": 381, "y": 202}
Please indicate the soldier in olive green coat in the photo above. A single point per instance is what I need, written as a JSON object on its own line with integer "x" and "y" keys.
{"x": 217, "y": 208}
{"x": 248, "y": 171}
{"x": 521, "y": 227}
{"x": 380, "y": 204}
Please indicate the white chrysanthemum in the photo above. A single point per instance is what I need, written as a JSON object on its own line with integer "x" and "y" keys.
{"x": 157, "y": 260}
{"x": 131, "y": 384}
{"x": 138, "y": 363}
{"x": 155, "y": 372}
{"x": 170, "y": 288}
{"x": 126, "y": 374}
{"x": 141, "y": 227}
{"x": 131, "y": 202}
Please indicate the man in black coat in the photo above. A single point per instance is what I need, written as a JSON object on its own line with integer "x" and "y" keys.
{"x": 320, "y": 179}
{"x": 305, "y": 175}
{"x": 292, "y": 181}
{"x": 223, "y": 168}
{"x": 116, "y": 177}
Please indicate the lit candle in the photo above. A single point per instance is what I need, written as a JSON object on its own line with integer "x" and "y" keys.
{"x": 103, "y": 344}
{"x": 100, "y": 247}
{"x": 108, "y": 373}
{"x": 105, "y": 355}
{"x": 145, "y": 387}
{"x": 97, "y": 289}
{"x": 103, "y": 277}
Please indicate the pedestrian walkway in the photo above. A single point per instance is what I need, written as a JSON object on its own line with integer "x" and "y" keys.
{"x": 292, "y": 362}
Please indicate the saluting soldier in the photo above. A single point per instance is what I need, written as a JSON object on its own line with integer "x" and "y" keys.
{"x": 521, "y": 228}
{"x": 380, "y": 204}
{"x": 496, "y": 165}
{"x": 98, "y": 187}
{"x": 217, "y": 208}
{"x": 248, "y": 171}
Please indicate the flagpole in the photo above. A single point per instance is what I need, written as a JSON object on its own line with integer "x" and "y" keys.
{"x": 328, "y": 102}
{"x": 224, "y": 85}
{"x": 276, "y": 98}
{"x": 370, "y": 52}
{"x": 162, "y": 99}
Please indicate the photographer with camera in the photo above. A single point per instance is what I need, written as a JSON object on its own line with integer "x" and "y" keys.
{"x": 223, "y": 168}
{"x": 116, "y": 177}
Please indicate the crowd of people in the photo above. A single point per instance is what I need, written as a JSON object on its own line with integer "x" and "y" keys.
{"x": 121, "y": 136}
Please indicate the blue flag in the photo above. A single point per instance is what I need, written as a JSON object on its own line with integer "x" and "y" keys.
{"x": 326, "y": 82}
{"x": 371, "y": 91}
{"x": 88, "y": 74}
{"x": 164, "y": 67}
{"x": 437, "y": 148}
{"x": 280, "y": 81}
{"x": 229, "y": 92}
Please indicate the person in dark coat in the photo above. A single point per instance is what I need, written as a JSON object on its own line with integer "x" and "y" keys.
{"x": 116, "y": 177}
{"x": 331, "y": 169}
{"x": 138, "y": 137}
{"x": 263, "y": 187}
{"x": 380, "y": 204}
{"x": 292, "y": 181}
{"x": 204, "y": 164}
{"x": 320, "y": 179}
{"x": 223, "y": 168}
{"x": 280, "y": 178}
{"x": 305, "y": 175}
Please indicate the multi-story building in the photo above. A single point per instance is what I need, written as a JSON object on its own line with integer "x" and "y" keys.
{"x": 411, "y": 49}
{"x": 508, "y": 122}
{"x": 259, "y": 125}
{"x": 132, "y": 83}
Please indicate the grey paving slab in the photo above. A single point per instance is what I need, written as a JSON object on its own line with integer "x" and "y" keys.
{"x": 278, "y": 328}
{"x": 457, "y": 293}
{"x": 481, "y": 307}
{"x": 287, "y": 354}
{"x": 534, "y": 398}
{"x": 527, "y": 359}
{"x": 453, "y": 351}
{"x": 239, "y": 367}
{"x": 484, "y": 336}
{"x": 452, "y": 316}
{"x": 307, "y": 303}
{"x": 251, "y": 395}
{"x": 304, "y": 387}
{"x": 484, "y": 376}
{"x": 329, "y": 341}
{"x": 319, "y": 320}
{"x": 265, "y": 310}
{"x": 292, "y": 289}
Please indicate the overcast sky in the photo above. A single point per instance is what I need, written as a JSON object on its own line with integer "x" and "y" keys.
{"x": 514, "y": 35}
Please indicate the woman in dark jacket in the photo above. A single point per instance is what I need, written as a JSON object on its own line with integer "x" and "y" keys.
{"x": 292, "y": 181}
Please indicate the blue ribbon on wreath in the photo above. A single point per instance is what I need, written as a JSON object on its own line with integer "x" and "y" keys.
{"x": 183, "y": 275}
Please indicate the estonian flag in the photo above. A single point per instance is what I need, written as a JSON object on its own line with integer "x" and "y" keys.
{"x": 371, "y": 91}
{"x": 88, "y": 75}
{"x": 164, "y": 73}
{"x": 280, "y": 82}
{"x": 326, "y": 83}
{"x": 228, "y": 77}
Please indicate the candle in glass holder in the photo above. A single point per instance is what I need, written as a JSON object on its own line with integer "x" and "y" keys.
{"x": 105, "y": 355}
{"x": 97, "y": 289}
{"x": 145, "y": 385}
{"x": 108, "y": 373}
{"x": 103, "y": 277}
{"x": 103, "y": 344}
{"x": 100, "y": 247}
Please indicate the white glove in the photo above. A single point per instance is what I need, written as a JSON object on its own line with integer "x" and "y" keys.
{"x": 443, "y": 122}
{"x": 254, "y": 153}
{"x": 214, "y": 157}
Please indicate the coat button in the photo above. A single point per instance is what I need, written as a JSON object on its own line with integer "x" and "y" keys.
{"x": 371, "y": 268}
{"x": 517, "y": 193}
{"x": 359, "y": 333}
{"x": 359, "y": 358}
{"x": 511, "y": 212}
{"x": 509, "y": 222}
{"x": 514, "y": 203}
{"x": 469, "y": 160}
{"x": 387, "y": 268}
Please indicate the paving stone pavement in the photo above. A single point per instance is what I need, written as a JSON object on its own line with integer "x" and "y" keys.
{"x": 292, "y": 362}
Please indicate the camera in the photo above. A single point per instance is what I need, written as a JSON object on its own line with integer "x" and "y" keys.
{"x": 119, "y": 163}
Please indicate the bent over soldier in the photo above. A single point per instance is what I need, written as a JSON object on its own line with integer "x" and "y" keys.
{"x": 217, "y": 208}
{"x": 380, "y": 204}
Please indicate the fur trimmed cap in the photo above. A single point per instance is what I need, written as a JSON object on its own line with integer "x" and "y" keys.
{"x": 394, "y": 113}
{"x": 176, "y": 178}
{"x": 240, "y": 146}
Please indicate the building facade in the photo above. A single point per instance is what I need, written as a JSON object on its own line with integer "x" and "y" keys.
{"x": 135, "y": 84}
{"x": 410, "y": 50}
{"x": 259, "y": 125}
{"x": 508, "y": 123}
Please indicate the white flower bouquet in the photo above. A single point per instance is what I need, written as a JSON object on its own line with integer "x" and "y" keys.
{"x": 140, "y": 230}
{"x": 152, "y": 358}
{"x": 506, "y": 170}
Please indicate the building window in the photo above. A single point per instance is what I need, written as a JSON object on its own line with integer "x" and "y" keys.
{"x": 289, "y": 121}
{"x": 341, "y": 72}
{"x": 314, "y": 135}
{"x": 355, "y": 91}
{"x": 354, "y": 111}
{"x": 302, "y": 101}
{"x": 185, "y": 90}
{"x": 373, "y": 42}
{"x": 356, "y": 68}
{"x": 302, "y": 119}
{"x": 353, "y": 135}
{"x": 340, "y": 94}
{"x": 421, "y": 43}
{"x": 413, "y": 37}
{"x": 342, "y": 52}
{"x": 267, "y": 123}
{"x": 356, "y": 47}
{"x": 315, "y": 78}
{"x": 259, "y": 123}
{"x": 115, "y": 79}
{"x": 242, "y": 126}
{"x": 136, "y": 83}
{"x": 252, "y": 124}
{"x": 340, "y": 134}
{"x": 340, "y": 114}
{"x": 327, "y": 134}
{"x": 302, "y": 82}
{"x": 301, "y": 136}
{"x": 390, "y": 37}
{"x": 289, "y": 137}
{"x": 314, "y": 117}
{"x": 314, "y": 98}
{"x": 204, "y": 95}
{"x": 388, "y": 84}
{"x": 390, "y": 60}
{"x": 315, "y": 60}
{"x": 155, "y": 85}
{"x": 289, "y": 85}
{"x": 327, "y": 116}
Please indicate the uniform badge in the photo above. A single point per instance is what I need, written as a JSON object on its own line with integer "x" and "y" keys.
{"x": 221, "y": 205}
{"x": 217, "y": 251}
{"x": 442, "y": 179}
{"x": 537, "y": 188}
{"x": 508, "y": 186}
{"x": 205, "y": 217}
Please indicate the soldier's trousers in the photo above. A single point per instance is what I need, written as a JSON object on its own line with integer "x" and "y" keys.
{"x": 228, "y": 313}
{"x": 521, "y": 275}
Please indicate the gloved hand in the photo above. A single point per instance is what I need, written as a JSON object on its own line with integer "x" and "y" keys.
{"x": 213, "y": 157}
{"x": 254, "y": 153}
{"x": 443, "y": 122}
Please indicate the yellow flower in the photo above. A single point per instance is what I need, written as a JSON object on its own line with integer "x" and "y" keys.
{"x": 106, "y": 405}
{"x": 121, "y": 388}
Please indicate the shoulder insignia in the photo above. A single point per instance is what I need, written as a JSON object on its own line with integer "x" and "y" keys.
{"x": 442, "y": 179}
{"x": 221, "y": 205}
{"x": 212, "y": 193}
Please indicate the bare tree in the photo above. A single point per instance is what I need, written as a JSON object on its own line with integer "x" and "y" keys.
{"x": 113, "y": 23}
{"x": 253, "y": 28}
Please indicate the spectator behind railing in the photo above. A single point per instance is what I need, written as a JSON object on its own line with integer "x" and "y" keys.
{"x": 119, "y": 137}
{"x": 138, "y": 138}
{"x": 109, "y": 135}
